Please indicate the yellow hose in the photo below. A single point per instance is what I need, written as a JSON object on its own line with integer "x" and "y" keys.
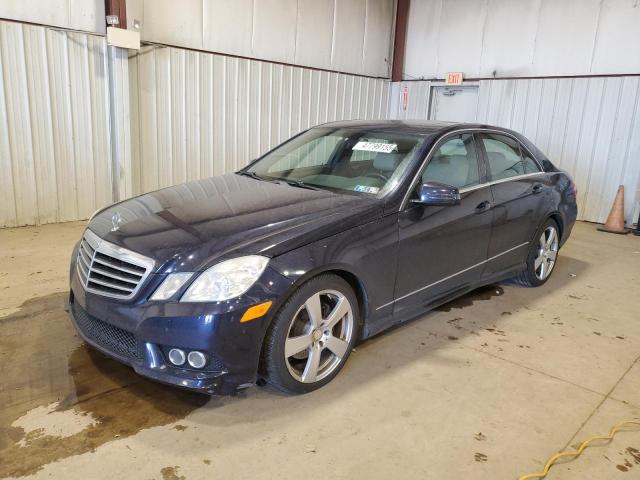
{"x": 576, "y": 453}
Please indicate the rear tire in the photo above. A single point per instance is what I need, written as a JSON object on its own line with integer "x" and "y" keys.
{"x": 311, "y": 336}
{"x": 542, "y": 256}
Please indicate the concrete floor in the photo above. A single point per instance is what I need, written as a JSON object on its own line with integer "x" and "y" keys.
{"x": 487, "y": 387}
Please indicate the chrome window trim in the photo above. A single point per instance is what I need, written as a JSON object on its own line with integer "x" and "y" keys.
{"x": 471, "y": 130}
{"x": 451, "y": 276}
{"x": 502, "y": 180}
{"x": 100, "y": 245}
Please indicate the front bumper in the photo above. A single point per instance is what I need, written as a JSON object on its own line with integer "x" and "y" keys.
{"x": 139, "y": 332}
{"x": 146, "y": 359}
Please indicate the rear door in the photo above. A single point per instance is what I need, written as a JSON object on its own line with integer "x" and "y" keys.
{"x": 520, "y": 190}
{"x": 442, "y": 248}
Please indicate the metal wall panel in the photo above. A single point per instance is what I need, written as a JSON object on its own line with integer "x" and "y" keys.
{"x": 353, "y": 36}
{"x": 120, "y": 125}
{"x": 524, "y": 38}
{"x": 54, "y": 125}
{"x": 85, "y": 15}
{"x": 198, "y": 114}
{"x": 587, "y": 126}
{"x": 417, "y": 105}
{"x": 177, "y": 115}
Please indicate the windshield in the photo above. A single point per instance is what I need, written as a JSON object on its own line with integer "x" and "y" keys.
{"x": 349, "y": 160}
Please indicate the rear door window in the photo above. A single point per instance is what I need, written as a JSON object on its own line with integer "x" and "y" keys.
{"x": 505, "y": 158}
{"x": 530, "y": 165}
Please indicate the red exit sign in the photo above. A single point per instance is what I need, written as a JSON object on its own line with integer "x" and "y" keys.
{"x": 454, "y": 78}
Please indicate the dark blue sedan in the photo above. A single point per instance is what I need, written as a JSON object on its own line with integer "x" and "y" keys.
{"x": 275, "y": 272}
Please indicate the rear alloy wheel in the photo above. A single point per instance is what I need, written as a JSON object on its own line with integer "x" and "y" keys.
{"x": 542, "y": 256}
{"x": 311, "y": 336}
{"x": 547, "y": 253}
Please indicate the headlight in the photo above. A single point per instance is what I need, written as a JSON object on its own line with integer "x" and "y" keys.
{"x": 171, "y": 285}
{"x": 226, "y": 280}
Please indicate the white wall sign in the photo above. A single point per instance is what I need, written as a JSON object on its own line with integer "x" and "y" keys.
{"x": 120, "y": 37}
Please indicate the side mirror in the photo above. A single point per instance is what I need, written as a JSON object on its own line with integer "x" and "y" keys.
{"x": 434, "y": 193}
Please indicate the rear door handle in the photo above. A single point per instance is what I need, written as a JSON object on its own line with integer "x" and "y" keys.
{"x": 537, "y": 188}
{"x": 483, "y": 206}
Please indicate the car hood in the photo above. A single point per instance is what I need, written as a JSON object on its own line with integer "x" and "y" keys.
{"x": 190, "y": 226}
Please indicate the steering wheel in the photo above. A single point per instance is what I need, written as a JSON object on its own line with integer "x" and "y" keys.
{"x": 377, "y": 176}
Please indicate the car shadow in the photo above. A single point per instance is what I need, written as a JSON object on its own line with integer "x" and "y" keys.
{"x": 74, "y": 378}
{"x": 400, "y": 345}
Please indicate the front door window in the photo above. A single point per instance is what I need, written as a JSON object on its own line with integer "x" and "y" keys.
{"x": 455, "y": 163}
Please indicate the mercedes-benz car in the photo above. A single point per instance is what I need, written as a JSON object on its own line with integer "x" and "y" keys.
{"x": 273, "y": 273}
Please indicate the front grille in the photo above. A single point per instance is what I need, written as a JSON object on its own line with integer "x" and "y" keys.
{"x": 105, "y": 335}
{"x": 109, "y": 270}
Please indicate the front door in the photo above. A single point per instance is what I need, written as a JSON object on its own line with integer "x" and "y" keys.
{"x": 442, "y": 249}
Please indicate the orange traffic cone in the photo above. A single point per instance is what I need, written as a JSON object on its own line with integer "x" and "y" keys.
{"x": 615, "y": 220}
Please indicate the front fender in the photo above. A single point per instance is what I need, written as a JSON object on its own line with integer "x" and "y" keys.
{"x": 367, "y": 253}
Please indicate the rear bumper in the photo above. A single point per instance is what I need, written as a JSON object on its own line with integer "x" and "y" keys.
{"x": 569, "y": 215}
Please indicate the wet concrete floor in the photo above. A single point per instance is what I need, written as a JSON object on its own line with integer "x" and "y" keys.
{"x": 45, "y": 363}
{"x": 73, "y": 377}
{"x": 465, "y": 391}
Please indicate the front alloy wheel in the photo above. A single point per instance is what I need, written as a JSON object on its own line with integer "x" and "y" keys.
{"x": 311, "y": 336}
{"x": 319, "y": 336}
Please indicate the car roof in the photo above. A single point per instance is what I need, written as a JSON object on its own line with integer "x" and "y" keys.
{"x": 412, "y": 126}
{"x": 436, "y": 129}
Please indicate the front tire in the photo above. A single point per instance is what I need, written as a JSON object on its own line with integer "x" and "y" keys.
{"x": 311, "y": 336}
{"x": 542, "y": 256}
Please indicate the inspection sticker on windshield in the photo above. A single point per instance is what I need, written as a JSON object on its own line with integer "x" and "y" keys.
{"x": 366, "y": 189}
{"x": 376, "y": 147}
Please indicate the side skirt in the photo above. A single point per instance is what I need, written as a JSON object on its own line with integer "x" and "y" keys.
{"x": 392, "y": 321}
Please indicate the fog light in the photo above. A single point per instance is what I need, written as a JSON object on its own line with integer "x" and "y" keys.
{"x": 176, "y": 356}
{"x": 197, "y": 359}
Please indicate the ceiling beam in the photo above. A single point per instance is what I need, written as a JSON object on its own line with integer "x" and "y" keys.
{"x": 400, "y": 38}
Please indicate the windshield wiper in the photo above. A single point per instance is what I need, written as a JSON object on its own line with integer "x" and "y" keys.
{"x": 289, "y": 181}
{"x": 298, "y": 183}
{"x": 247, "y": 173}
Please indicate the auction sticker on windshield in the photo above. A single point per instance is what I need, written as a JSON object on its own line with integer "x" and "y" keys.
{"x": 376, "y": 147}
{"x": 366, "y": 189}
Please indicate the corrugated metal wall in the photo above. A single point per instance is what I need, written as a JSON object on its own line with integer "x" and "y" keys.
{"x": 351, "y": 36}
{"x": 54, "y": 125}
{"x": 197, "y": 114}
{"x": 587, "y": 126}
{"x": 418, "y": 95}
{"x": 523, "y": 38}
{"x": 85, "y": 15}
{"x": 192, "y": 115}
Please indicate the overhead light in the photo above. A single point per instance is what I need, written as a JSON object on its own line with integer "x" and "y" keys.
{"x": 113, "y": 20}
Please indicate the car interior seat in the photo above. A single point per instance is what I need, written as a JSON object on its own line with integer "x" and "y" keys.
{"x": 448, "y": 169}
{"x": 386, "y": 163}
{"x": 501, "y": 167}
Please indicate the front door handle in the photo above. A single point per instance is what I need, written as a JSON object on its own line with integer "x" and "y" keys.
{"x": 537, "y": 188}
{"x": 483, "y": 206}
